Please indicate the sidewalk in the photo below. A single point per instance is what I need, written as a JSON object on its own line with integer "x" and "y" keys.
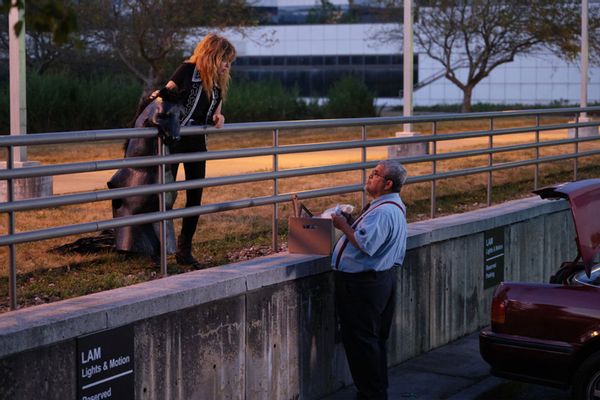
{"x": 454, "y": 372}
{"x": 96, "y": 180}
{"x": 90, "y": 181}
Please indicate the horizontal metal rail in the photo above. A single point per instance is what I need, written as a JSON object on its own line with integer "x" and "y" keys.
{"x": 260, "y": 201}
{"x": 117, "y": 134}
{"x": 110, "y": 194}
{"x": 488, "y": 149}
{"x": 499, "y": 167}
{"x": 116, "y": 193}
{"x": 70, "y": 199}
{"x": 147, "y": 218}
{"x": 150, "y": 161}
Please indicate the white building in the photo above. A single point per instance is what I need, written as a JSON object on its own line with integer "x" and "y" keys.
{"x": 312, "y": 56}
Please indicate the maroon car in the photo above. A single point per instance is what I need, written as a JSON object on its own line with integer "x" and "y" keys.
{"x": 550, "y": 333}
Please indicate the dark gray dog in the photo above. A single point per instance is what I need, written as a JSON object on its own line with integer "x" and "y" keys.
{"x": 163, "y": 113}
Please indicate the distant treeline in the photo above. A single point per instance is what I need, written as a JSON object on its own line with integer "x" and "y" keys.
{"x": 59, "y": 102}
{"x": 64, "y": 102}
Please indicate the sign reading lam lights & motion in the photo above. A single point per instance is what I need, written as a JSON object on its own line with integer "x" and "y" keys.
{"x": 493, "y": 256}
{"x": 105, "y": 365}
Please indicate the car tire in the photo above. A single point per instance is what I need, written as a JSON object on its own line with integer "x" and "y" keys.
{"x": 586, "y": 381}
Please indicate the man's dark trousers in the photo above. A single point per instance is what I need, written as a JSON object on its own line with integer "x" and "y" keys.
{"x": 365, "y": 305}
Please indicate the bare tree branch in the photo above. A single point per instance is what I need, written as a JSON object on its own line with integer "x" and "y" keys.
{"x": 146, "y": 33}
{"x": 483, "y": 34}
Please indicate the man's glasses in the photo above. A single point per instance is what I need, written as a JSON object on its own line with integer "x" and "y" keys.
{"x": 375, "y": 173}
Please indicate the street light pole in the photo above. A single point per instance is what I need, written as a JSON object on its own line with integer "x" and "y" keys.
{"x": 583, "y": 131}
{"x": 583, "y": 95}
{"x": 407, "y": 149}
{"x": 407, "y": 48}
{"x": 18, "y": 103}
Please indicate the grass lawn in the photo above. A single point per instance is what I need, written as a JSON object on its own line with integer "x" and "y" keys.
{"x": 56, "y": 269}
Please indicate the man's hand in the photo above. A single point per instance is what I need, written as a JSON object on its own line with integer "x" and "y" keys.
{"x": 340, "y": 221}
{"x": 219, "y": 120}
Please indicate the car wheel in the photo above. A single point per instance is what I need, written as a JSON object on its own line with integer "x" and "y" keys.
{"x": 586, "y": 382}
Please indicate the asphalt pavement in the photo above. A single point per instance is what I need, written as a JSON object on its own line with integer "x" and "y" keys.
{"x": 455, "y": 371}
{"x": 96, "y": 180}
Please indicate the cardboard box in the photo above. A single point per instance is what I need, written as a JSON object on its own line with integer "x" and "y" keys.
{"x": 310, "y": 235}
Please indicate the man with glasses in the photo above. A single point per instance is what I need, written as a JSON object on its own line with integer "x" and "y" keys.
{"x": 365, "y": 280}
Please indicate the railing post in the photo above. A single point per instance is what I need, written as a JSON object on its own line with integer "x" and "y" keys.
{"x": 363, "y": 199}
{"x": 162, "y": 207}
{"x": 433, "y": 202}
{"x": 490, "y": 162}
{"x": 274, "y": 222}
{"x": 576, "y": 160}
{"x": 536, "y": 177}
{"x": 12, "y": 249}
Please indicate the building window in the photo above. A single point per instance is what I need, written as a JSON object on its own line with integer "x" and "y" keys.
{"x": 326, "y": 13}
{"x": 314, "y": 75}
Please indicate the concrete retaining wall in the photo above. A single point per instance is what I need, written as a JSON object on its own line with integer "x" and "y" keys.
{"x": 265, "y": 328}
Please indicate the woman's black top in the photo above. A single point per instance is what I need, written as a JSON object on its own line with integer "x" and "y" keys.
{"x": 198, "y": 111}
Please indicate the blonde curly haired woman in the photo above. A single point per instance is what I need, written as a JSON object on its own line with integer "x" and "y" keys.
{"x": 201, "y": 84}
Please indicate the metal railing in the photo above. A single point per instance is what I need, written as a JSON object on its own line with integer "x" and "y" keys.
{"x": 10, "y": 207}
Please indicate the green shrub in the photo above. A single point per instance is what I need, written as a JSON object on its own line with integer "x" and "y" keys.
{"x": 261, "y": 101}
{"x": 350, "y": 98}
{"x": 60, "y": 102}
{"x": 66, "y": 103}
{"x": 311, "y": 109}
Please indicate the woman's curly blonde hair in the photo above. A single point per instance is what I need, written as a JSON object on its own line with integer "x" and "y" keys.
{"x": 208, "y": 55}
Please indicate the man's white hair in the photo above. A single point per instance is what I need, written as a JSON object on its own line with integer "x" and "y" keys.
{"x": 395, "y": 172}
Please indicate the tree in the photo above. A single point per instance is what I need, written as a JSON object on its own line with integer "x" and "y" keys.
{"x": 480, "y": 35}
{"x": 144, "y": 33}
{"x": 324, "y": 13}
{"x": 52, "y": 16}
{"x": 50, "y": 26}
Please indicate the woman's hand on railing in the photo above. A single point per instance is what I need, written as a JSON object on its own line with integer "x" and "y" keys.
{"x": 219, "y": 120}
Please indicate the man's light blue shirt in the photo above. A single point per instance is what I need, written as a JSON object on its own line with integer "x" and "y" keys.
{"x": 381, "y": 235}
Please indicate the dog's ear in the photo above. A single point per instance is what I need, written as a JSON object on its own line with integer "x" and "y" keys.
{"x": 165, "y": 116}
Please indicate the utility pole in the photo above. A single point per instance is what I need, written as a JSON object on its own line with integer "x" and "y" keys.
{"x": 583, "y": 131}
{"x": 407, "y": 149}
{"x": 583, "y": 87}
{"x": 29, "y": 187}
{"x": 18, "y": 101}
{"x": 407, "y": 49}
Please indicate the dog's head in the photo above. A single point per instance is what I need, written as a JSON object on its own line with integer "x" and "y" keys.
{"x": 165, "y": 116}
